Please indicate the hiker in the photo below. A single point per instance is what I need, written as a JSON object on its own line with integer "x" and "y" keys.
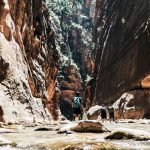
{"x": 111, "y": 113}
{"x": 104, "y": 113}
{"x": 77, "y": 106}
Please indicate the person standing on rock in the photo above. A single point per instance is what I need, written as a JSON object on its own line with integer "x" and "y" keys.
{"x": 77, "y": 106}
{"x": 111, "y": 113}
{"x": 104, "y": 113}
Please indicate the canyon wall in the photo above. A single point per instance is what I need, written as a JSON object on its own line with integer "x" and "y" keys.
{"x": 122, "y": 51}
{"x": 28, "y": 61}
{"x": 73, "y": 22}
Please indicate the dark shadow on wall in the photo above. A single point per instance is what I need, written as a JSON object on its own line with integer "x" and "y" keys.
{"x": 66, "y": 108}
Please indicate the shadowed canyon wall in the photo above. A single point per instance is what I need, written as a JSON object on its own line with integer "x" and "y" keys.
{"x": 122, "y": 51}
{"x": 28, "y": 61}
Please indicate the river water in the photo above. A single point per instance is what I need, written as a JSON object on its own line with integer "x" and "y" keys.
{"x": 29, "y": 139}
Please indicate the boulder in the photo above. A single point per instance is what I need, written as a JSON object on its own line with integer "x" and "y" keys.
{"x": 84, "y": 126}
{"x": 125, "y": 134}
{"x": 94, "y": 112}
{"x": 132, "y": 105}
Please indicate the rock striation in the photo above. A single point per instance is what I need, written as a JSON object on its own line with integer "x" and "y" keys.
{"x": 122, "y": 53}
{"x": 28, "y": 61}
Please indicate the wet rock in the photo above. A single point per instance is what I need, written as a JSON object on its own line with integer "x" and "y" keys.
{"x": 84, "y": 126}
{"x": 132, "y": 105}
{"x": 44, "y": 129}
{"x": 126, "y": 134}
{"x": 94, "y": 112}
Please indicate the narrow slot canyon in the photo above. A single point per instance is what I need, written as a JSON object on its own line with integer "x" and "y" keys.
{"x": 74, "y": 69}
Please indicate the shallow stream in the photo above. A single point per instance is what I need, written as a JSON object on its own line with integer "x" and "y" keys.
{"x": 29, "y": 139}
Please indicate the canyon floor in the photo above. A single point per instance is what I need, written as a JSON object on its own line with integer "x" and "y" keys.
{"x": 45, "y": 137}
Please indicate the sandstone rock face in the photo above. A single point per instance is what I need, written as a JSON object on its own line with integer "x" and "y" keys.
{"x": 121, "y": 49}
{"x": 28, "y": 61}
{"x": 133, "y": 105}
{"x": 145, "y": 83}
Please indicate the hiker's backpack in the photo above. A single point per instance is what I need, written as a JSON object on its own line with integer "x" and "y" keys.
{"x": 76, "y": 102}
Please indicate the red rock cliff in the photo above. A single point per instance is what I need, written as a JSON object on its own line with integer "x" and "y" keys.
{"x": 28, "y": 61}
{"x": 122, "y": 50}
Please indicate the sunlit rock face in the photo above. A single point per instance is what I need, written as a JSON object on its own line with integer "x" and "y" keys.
{"x": 145, "y": 83}
{"x": 28, "y": 61}
{"x": 73, "y": 22}
{"x": 122, "y": 49}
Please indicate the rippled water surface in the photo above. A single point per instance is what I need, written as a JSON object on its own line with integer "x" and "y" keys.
{"x": 44, "y": 140}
